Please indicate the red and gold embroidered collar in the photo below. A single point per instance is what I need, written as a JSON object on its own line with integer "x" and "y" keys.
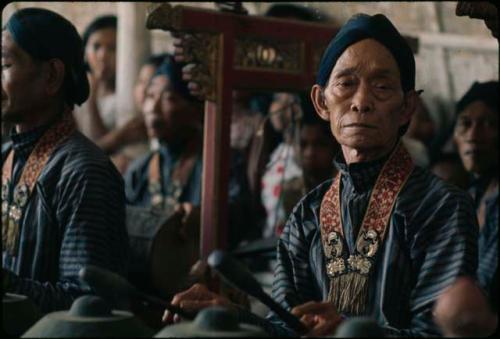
{"x": 389, "y": 183}
{"x": 12, "y": 211}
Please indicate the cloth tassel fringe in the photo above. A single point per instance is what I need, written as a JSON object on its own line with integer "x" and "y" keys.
{"x": 348, "y": 292}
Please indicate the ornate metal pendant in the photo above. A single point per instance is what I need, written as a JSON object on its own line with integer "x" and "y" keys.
{"x": 333, "y": 252}
{"x": 21, "y": 194}
{"x": 367, "y": 244}
{"x": 5, "y": 191}
{"x": 333, "y": 245}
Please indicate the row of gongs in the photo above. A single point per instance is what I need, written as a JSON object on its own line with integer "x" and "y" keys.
{"x": 91, "y": 316}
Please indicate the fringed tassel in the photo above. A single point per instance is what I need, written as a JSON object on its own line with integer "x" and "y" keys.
{"x": 5, "y": 230}
{"x": 9, "y": 236}
{"x": 348, "y": 292}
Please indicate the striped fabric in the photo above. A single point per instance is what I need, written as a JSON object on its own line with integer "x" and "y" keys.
{"x": 74, "y": 217}
{"x": 431, "y": 240}
{"x": 488, "y": 240}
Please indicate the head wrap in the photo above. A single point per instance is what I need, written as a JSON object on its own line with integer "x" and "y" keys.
{"x": 486, "y": 92}
{"x": 173, "y": 71}
{"x": 46, "y": 35}
{"x": 378, "y": 27}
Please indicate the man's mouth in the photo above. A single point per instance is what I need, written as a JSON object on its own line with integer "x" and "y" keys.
{"x": 473, "y": 152}
{"x": 359, "y": 125}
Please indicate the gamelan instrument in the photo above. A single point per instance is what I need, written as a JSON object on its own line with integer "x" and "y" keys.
{"x": 18, "y": 314}
{"x": 216, "y": 322}
{"x": 89, "y": 316}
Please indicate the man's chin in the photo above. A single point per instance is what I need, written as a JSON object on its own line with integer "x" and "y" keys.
{"x": 359, "y": 142}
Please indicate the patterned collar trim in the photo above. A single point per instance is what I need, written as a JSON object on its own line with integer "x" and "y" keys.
{"x": 23, "y": 143}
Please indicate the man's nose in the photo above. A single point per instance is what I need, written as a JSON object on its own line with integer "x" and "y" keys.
{"x": 103, "y": 54}
{"x": 362, "y": 100}
{"x": 474, "y": 133}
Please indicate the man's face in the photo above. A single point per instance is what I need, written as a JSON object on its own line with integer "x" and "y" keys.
{"x": 101, "y": 53}
{"x": 476, "y": 135}
{"x": 23, "y": 90}
{"x": 317, "y": 150}
{"x": 167, "y": 115}
{"x": 364, "y": 100}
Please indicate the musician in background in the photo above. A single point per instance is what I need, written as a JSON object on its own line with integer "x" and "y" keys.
{"x": 169, "y": 176}
{"x": 63, "y": 200}
{"x": 476, "y": 137}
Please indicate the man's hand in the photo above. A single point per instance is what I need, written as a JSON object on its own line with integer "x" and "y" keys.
{"x": 182, "y": 54}
{"x": 320, "y": 317}
{"x": 195, "y": 298}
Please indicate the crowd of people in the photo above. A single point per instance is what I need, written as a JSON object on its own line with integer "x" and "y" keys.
{"x": 370, "y": 217}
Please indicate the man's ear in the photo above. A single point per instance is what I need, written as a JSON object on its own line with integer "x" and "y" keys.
{"x": 409, "y": 106}
{"x": 318, "y": 100}
{"x": 55, "y": 72}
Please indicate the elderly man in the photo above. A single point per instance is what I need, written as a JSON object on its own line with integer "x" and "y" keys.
{"x": 62, "y": 199}
{"x": 476, "y": 136}
{"x": 384, "y": 237}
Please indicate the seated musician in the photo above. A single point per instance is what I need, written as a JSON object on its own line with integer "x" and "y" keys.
{"x": 63, "y": 201}
{"x": 476, "y": 137}
{"x": 384, "y": 237}
{"x": 169, "y": 176}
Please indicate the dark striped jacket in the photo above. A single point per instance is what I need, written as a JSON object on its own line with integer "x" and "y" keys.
{"x": 74, "y": 217}
{"x": 488, "y": 249}
{"x": 431, "y": 240}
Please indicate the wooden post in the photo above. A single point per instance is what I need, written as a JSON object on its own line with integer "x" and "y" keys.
{"x": 133, "y": 47}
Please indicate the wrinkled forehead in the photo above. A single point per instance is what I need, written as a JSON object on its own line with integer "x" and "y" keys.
{"x": 367, "y": 55}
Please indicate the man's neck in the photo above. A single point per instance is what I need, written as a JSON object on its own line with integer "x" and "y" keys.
{"x": 43, "y": 117}
{"x": 355, "y": 155}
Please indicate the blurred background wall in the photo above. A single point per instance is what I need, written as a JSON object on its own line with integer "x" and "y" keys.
{"x": 454, "y": 51}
